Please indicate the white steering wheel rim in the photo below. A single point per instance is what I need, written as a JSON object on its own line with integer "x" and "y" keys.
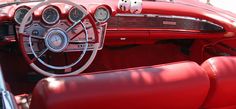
{"x": 34, "y": 66}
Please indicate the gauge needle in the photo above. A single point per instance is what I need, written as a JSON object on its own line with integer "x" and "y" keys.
{"x": 75, "y": 13}
{"x": 48, "y": 17}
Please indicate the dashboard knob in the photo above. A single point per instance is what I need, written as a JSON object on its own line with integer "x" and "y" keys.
{"x": 35, "y": 32}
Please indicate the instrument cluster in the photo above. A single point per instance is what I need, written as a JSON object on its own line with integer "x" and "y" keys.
{"x": 51, "y": 15}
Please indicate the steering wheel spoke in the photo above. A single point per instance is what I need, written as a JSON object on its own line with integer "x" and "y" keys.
{"x": 37, "y": 37}
{"x": 40, "y": 55}
{"x": 81, "y": 31}
{"x": 76, "y": 23}
{"x": 33, "y": 36}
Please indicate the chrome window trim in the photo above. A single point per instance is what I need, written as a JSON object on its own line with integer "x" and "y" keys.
{"x": 168, "y": 16}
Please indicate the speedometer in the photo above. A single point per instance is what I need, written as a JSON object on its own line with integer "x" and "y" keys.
{"x": 102, "y": 14}
{"x": 50, "y": 15}
{"x": 20, "y": 14}
{"x": 75, "y": 14}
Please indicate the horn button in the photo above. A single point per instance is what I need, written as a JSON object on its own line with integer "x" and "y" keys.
{"x": 56, "y": 40}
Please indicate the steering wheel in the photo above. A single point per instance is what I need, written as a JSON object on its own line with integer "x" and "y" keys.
{"x": 56, "y": 40}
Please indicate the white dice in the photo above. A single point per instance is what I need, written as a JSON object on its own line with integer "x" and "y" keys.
{"x": 134, "y": 6}
{"x": 124, "y": 5}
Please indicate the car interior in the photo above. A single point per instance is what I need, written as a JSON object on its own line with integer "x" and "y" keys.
{"x": 117, "y": 54}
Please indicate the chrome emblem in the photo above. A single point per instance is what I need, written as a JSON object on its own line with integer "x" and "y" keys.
{"x": 56, "y": 40}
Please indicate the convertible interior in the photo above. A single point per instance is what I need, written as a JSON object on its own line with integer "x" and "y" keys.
{"x": 117, "y": 54}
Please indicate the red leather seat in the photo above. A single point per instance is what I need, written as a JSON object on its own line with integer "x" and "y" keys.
{"x": 222, "y": 73}
{"x": 173, "y": 86}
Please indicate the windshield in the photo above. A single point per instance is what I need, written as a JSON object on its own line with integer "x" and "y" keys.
{"x": 17, "y": 1}
{"x": 228, "y": 5}
{"x": 4, "y": 3}
{"x": 225, "y": 4}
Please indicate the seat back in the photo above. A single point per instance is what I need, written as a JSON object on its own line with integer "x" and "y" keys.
{"x": 222, "y": 73}
{"x": 174, "y": 86}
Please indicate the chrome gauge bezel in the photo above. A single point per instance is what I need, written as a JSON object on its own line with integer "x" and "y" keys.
{"x": 70, "y": 15}
{"x": 107, "y": 17}
{"x": 57, "y": 12}
{"x": 17, "y": 11}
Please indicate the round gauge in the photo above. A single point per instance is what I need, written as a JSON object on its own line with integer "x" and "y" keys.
{"x": 75, "y": 14}
{"x": 102, "y": 14}
{"x": 50, "y": 15}
{"x": 20, "y": 14}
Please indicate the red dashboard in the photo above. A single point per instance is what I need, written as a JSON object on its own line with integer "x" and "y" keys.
{"x": 170, "y": 20}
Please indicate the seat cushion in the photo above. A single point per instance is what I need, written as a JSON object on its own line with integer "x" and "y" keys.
{"x": 222, "y": 73}
{"x": 174, "y": 86}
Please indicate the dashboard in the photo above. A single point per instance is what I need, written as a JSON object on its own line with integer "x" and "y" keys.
{"x": 155, "y": 22}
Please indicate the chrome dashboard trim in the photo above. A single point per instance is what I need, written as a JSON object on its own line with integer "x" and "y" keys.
{"x": 168, "y": 16}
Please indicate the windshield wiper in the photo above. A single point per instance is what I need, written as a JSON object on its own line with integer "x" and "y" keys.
{"x": 18, "y": 2}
